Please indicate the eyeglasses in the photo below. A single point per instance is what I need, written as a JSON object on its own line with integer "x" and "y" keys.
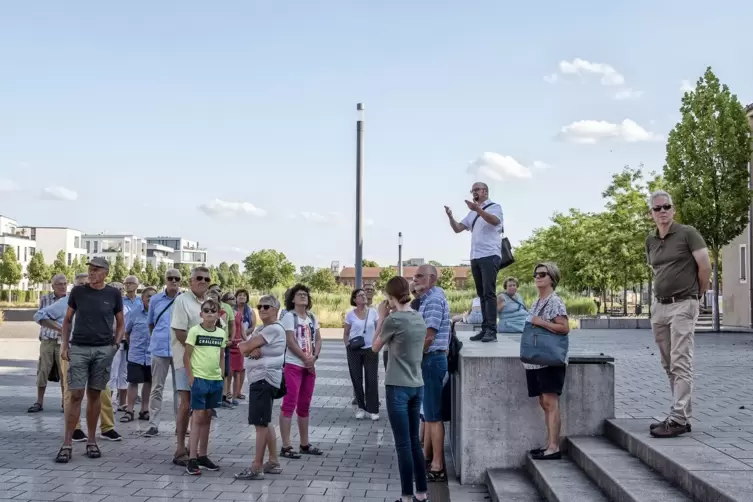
{"x": 302, "y": 294}
{"x": 209, "y": 311}
{"x": 130, "y": 283}
{"x": 477, "y": 189}
{"x": 666, "y": 207}
{"x": 200, "y": 278}
{"x": 540, "y": 275}
{"x": 230, "y": 298}
{"x": 263, "y": 307}
{"x": 173, "y": 279}
{"x": 418, "y": 276}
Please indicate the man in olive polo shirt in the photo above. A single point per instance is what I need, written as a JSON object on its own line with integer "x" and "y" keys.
{"x": 680, "y": 260}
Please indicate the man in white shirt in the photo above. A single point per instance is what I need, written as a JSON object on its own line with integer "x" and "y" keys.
{"x": 484, "y": 221}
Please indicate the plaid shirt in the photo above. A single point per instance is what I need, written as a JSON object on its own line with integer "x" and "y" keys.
{"x": 47, "y": 333}
{"x": 436, "y": 313}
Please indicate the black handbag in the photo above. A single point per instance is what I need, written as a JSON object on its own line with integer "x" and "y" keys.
{"x": 359, "y": 341}
{"x": 506, "y": 256}
{"x": 280, "y": 392}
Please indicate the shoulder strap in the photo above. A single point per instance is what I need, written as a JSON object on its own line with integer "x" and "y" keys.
{"x": 478, "y": 215}
{"x": 520, "y": 305}
{"x": 156, "y": 320}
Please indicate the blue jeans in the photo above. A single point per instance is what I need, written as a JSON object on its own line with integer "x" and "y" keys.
{"x": 433, "y": 370}
{"x": 403, "y": 408}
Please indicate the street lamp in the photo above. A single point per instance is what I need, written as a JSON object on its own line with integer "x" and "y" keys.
{"x": 359, "y": 195}
{"x": 400, "y": 254}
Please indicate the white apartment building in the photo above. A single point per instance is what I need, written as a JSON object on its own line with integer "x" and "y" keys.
{"x": 51, "y": 240}
{"x": 156, "y": 254}
{"x": 108, "y": 246}
{"x": 24, "y": 246}
{"x": 184, "y": 251}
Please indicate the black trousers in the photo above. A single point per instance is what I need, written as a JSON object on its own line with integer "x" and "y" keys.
{"x": 485, "y": 272}
{"x": 363, "y": 365}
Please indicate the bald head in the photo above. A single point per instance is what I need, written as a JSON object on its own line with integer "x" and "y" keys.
{"x": 480, "y": 192}
{"x": 425, "y": 278}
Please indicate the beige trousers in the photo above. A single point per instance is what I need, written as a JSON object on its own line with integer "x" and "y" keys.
{"x": 673, "y": 325}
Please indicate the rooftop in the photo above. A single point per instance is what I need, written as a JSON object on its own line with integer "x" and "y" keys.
{"x": 408, "y": 272}
{"x": 50, "y": 228}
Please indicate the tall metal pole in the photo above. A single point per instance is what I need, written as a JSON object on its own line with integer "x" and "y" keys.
{"x": 400, "y": 254}
{"x": 359, "y": 196}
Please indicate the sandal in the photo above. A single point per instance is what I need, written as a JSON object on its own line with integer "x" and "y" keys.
{"x": 143, "y": 415}
{"x": 64, "y": 454}
{"x": 436, "y": 476}
{"x": 127, "y": 417}
{"x": 92, "y": 451}
{"x": 181, "y": 460}
{"x": 288, "y": 452}
{"x": 35, "y": 408}
{"x": 310, "y": 450}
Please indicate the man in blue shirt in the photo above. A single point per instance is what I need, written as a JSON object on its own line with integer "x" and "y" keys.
{"x": 119, "y": 371}
{"x": 435, "y": 311}
{"x": 158, "y": 321}
{"x": 139, "y": 370}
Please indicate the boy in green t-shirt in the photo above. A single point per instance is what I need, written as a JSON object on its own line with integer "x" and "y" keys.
{"x": 204, "y": 361}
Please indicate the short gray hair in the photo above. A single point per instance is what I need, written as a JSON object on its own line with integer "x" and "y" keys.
{"x": 173, "y": 271}
{"x": 200, "y": 268}
{"x": 552, "y": 270}
{"x": 270, "y": 300}
{"x": 82, "y": 275}
{"x": 658, "y": 193}
{"x": 57, "y": 277}
{"x": 132, "y": 277}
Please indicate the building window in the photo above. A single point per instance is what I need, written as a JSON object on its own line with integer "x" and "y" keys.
{"x": 77, "y": 242}
{"x": 96, "y": 247}
{"x": 26, "y": 254}
{"x": 111, "y": 246}
{"x": 32, "y": 251}
{"x": 743, "y": 263}
{"x": 69, "y": 258}
{"x": 88, "y": 247}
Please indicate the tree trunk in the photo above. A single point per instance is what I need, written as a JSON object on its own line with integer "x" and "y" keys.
{"x": 715, "y": 271}
{"x": 624, "y": 297}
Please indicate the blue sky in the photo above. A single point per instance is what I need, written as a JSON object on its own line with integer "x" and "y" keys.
{"x": 233, "y": 123}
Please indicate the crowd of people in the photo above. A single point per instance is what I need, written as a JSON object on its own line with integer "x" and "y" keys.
{"x": 108, "y": 341}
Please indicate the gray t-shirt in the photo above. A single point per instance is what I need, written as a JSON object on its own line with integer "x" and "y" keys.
{"x": 404, "y": 333}
{"x": 269, "y": 366}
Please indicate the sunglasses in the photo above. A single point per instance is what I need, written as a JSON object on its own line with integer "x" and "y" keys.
{"x": 230, "y": 298}
{"x": 263, "y": 307}
{"x": 209, "y": 311}
{"x": 666, "y": 207}
{"x": 540, "y": 275}
{"x": 173, "y": 279}
{"x": 200, "y": 278}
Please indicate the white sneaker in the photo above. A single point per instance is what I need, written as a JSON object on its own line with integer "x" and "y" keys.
{"x": 360, "y": 414}
{"x": 375, "y": 416}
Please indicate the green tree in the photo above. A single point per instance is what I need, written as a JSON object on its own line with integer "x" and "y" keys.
{"x": 161, "y": 273}
{"x": 60, "y": 265}
{"x": 237, "y": 280}
{"x": 225, "y": 279}
{"x": 385, "y": 274}
{"x": 446, "y": 279}
{"x": 11, "y": 272}
{"x": 119, "y": 271}
{"x": 323, "y": 281}
{"x": 369, "y": 263}
{"x": 185, "y": 274}
{"x": 79, "y": 266}
{"x": 150, "y": 275}
{"x": 706, "y": 167}
{"x": 215, "y": 274}
{"x": 306, "y": 274}
{"x": 268, "y": 268}
{"x": 435, "y": 263}
{"x": 137, "y": 269}
{"x": 37, "y": 271}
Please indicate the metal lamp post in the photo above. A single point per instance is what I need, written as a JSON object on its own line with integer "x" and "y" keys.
{"x": 359, "y": 196}
{"x": 400, "y": 254}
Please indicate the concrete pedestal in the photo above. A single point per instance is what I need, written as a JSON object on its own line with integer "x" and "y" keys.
{"x": 495, "y": 423}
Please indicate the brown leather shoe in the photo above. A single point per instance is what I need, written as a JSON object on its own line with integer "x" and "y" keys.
{"x": 669, "y": 429}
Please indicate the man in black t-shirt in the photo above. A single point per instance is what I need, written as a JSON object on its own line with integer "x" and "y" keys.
{"x": 90, "y": 350}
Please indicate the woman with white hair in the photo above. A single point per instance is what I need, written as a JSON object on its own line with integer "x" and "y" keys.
{"x": 546, "y": 382}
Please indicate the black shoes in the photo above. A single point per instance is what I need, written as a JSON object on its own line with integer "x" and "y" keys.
{"x": 478, "y": 336}
{"x": 489, "y": 338}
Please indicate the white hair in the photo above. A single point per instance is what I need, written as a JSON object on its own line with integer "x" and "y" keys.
{"x": 173, "y": 271}
{"x": 133, "y": 278}
{"x": 655, "y": 195}
{"x": 57, "y": 277}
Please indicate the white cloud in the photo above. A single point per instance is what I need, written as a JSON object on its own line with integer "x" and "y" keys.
{"x": 313, "y": 217}
{"x": 578, "y": 66}
{"x": 538, "y": 164}
{"x": 368, "y": 222}
{"x": 498, "y": 167}
{"x": 627, "y": 93}
{"x": 221, "y": 208}
{"x": 686, "y": 86}
{"x": 551, "y": 79}
{"x": 59, "y": 193}
{"x": 8, "y": 186}
{"x": 594, "y": 131}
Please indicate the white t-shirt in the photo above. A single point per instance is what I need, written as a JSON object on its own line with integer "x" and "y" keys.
{"x": 304, "y": 332}
{"x": 486, "y": 240}
{"x": 269, "y": 366}
{"x": 357, "y": 326}
{"x": 476, "y": 304}
{"x": 185, "y": 315}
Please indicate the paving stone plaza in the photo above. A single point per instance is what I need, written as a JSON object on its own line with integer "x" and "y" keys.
{"x": 359, "y": 461}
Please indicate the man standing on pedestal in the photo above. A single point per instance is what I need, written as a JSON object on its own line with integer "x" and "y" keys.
{"x": 484, "y": 221}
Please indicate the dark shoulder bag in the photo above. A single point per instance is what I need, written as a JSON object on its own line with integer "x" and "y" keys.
{"x": 280, "y": 392}
{"x": 359, "y": 341}
{"x": 541, "y": 346}
{"x": 506, "y": 251}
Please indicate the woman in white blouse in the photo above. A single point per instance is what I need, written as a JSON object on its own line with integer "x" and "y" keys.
{"x": 363, "y": 363}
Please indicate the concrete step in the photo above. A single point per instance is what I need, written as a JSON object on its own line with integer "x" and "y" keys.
{"x": 620, "y": 475}
{"x": 563, "y": 481}
{"x": 508, "y": 485}
{"x": 702, "y": 471}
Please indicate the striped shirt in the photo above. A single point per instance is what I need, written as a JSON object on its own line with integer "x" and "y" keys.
{"x": 44, "y": 302}
{"x": 436, "y": 313}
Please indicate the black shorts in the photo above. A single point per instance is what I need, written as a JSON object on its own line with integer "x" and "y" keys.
{"x": 138, "y": 373}
{"x": 260, "y": 398}
{"x": 549, "y": 380}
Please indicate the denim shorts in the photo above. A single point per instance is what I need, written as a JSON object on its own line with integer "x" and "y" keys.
{"x": 206, "y": 394}
{"x": 433, "y": 370}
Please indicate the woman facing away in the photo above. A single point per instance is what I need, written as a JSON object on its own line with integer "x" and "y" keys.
{"x": 546, "y": 382}
{"x": 264, "y": 353}
{"x": 404, "y": 331}
{"x": 511, "y": 309}
{"x": 363, "y": 363}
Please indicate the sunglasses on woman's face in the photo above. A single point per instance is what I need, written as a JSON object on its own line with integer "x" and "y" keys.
{"x": 540, "y": 275}
{"x": 263, "y": 307}
{"x": 209, "y": 311}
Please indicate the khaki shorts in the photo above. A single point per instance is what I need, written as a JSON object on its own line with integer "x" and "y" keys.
{"x": 90, "y": 366}
{"x": 49, "y": 353}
